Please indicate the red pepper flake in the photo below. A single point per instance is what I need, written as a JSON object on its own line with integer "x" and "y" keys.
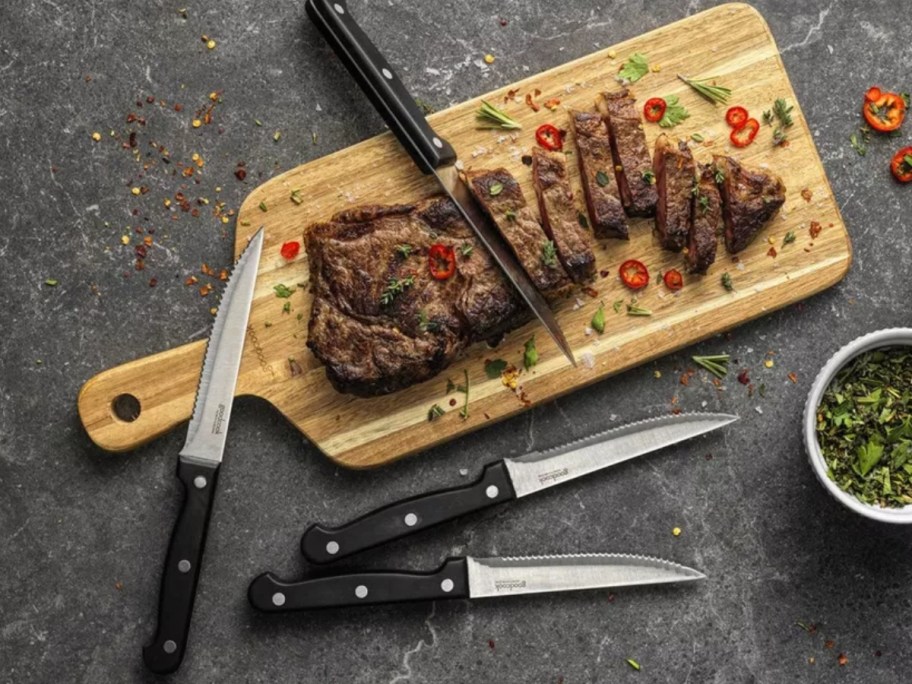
{"x": 591, "y": 291}
{"x": 611, "y": 596}
{"x": 807, "y": 194}
{"x": 240, "y": 172}
{"x": 842, "y": 659}
{"x": 205, "y": 289}
{"x": 191, "y": 280}
{"x": 744, "y": 377}
{"x": 686, "y": 376}
{"x": 531, "y": 103}
{"x": 604, "y": 273}
{"x": 511, "y": 95}
{"x": 553, "y": 103}
{"x": 178, "y": 107}
{"x": 140, "y": 251}
{"x": 771, "y": 252}
{"x": 452, "y": 402}
{"x": 829, "y": 643}
{"x": 294, "y": 367}
{"x": 118, "y": 585}
{"x": 150, "y": 99}
{"x": 153, "y": 282}
{"x": 503, "y": 22}
{"x": 793, "y": 376}
{"x": 140, "y": 265}
{"x": 815, "y": 229}
{"x": 223, "y": 275}
{"x": 491, "y": 644}
{"x": 290, "y": 250}
{"x": 526, "y": 160}
{"x": 205, "y": 269}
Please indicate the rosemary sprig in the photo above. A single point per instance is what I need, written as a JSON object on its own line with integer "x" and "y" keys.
{"x": 717, "y": 364}
{"x": 711, "y": 91}
{"x": 489, "y": 116}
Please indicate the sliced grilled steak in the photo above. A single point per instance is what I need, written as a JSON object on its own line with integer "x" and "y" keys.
{"x": 503, "y": 200}
{"x": 379, "y": 321}
{"x": 750, "y": 197}
{"x": 707, "y": 219}
{"x": 674, "y": 176}
{"x": 632, "y": 162}
{"x": 600, "y": 188}
{"x": 559, "y": 214}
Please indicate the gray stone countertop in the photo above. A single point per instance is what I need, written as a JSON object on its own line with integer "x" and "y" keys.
{"x": 84, "y": 532}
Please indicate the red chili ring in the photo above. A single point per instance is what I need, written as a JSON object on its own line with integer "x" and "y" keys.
{"x": 549, "y": 137}
{"x": 654, "y": 109}
{"x": 634, "y": 274}
{"x": 744, "y": 136}
{"x": 736, "y": 117}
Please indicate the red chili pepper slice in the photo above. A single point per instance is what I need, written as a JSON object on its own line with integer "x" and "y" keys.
{"x": 744, "y": 136}
{"x": 634, "y": 274}
{"x": 290, "y": 250}
{"x": 673, "y": 279}
{"x": 901, "y": 165}
{"x": 883, "y": 111}
{"x": 736, "y": 117}
{"x": 654, "y": 109}
{"x": 441, "y": 261}
{"x": 549, "y": 137}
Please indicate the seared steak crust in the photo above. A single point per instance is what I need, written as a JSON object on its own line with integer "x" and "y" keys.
{"x": 707, "y": 218}
{"x": 674, "y": 176}
{"x": 503, "y": 200}
{"x": 750, "y": 197}
{"x": 596, "y": 166}
{"x": 559, "y": 214}
{"x": 631, "y": 153}
{"x": 379, "y": 321}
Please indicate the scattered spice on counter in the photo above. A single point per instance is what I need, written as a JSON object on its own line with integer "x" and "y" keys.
{"x": 283, "y": 291}
{"x": 489, "y": 59}
{"x": 294, "y": 367}
{"x": 676, "y": 531}
{"x": 860, "y": 140}
{"x": 793, "y": 377}
{"x": 96, "y": 136}
{"x": 464, "y": 413}
{"x": 789, "y": 238}
{"x": 717, "y": 364}
{"x": 52, "y": 282}
{"x": 842, "y": 659}
{"x": 634, "y": 664}
{"x": 864, "y": 428}
{"x": 296, "y": 196}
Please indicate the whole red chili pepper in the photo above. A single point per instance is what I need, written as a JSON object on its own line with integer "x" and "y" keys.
{"x": 549, "y": 137}
{"x": 654, "y": 109}
{"x": 744, "y": 136}
{"x": 441, "y": 261}
{"x": 634, "y": 274}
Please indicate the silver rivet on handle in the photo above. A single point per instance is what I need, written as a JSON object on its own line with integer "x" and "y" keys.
{"x": 199, "y": 482}
{"x": 387, "y": 74}
{"x": 169, "y": 646}
{"x": 361, "y": 591}
{"x": 492, "y": 491}
{"x": 332, "y": 548}
{"x": 278, "y": 599}
{"x": 447, "y": 585}
{"x": 184, "y": 566}
{"x": 339, "y": 8}
{"x": 410, "y": 519}
{"x": 438, "y": 143}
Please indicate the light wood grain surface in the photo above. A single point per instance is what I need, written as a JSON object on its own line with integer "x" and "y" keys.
{"x": 731, "y": 42}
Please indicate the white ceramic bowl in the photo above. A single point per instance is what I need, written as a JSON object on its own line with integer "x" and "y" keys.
{"x": 892, "y": 337}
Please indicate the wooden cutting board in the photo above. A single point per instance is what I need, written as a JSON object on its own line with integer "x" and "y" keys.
{"x": 731, "y": 42}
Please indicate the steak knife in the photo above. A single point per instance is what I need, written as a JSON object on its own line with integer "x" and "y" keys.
{"x": 467, "y": 577}
{"x": 432, "y": 154}
{"x": 505, "y": 480}
{"x": 198, "y": 463}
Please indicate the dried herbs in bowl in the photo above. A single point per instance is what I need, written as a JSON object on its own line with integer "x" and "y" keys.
{"x": 864, "y": 427}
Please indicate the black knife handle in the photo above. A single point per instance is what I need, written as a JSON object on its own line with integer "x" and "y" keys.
{"x": 324, "y": 544}
{"x": 270, "y": 594}
{"x": 380, "y": 83}
{"x": 182, "y": 568}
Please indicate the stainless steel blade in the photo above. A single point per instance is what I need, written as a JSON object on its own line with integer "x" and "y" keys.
{"x": 449, "y": 180}
{"x": 215, "y": 393}
{"x": 542, "y": 469}
{"x": 538, "y": 574}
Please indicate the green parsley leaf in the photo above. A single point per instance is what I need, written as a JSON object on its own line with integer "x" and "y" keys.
{"x": 283, "y": 291}
{"x": 495, "y": 189}
{"x": 675, "y": 113}
{"x": 727, "y": 282}
{"x": 598, "y": 319}
{"x": 634, "y": 68}
{"x": 549, "y": 254}
{"x": 530, "y": 353}
{"x": 602, "y": 178}
{"x": 493, "y": 368}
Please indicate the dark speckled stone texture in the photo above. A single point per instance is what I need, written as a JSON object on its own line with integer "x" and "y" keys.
{"x": 84, "y": 533}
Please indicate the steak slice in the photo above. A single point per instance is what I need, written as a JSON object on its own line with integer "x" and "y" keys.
{"x": 707, "y": 218}
{"x": 596, "y": 166}
{"x": 503, "y": 200}
{"x": 559, "y": 215}
{"x": 632, "y": 162}
{"x": 750, "y": 197}
{"x": 674, "y": 176}
{"x": 380, "y": 321}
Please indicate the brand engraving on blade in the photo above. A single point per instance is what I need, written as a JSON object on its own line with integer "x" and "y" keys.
{"x": 553, "y": 475}
{"x": 509, "y": 584}
{"x": 219, "y": 419}
{"x": 260, "y": 354}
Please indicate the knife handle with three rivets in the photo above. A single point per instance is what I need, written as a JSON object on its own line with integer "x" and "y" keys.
{"x": 270, "y": 594}
{"x": 321, "y": 544}
{"x": 182, "y": 567}
{"x": 380, "y": 83}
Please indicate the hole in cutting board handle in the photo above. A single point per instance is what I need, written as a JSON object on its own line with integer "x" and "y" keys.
{"x": 126, "y": 407}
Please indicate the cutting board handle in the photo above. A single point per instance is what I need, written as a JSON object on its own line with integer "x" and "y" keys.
{"x": 124, "y": 407}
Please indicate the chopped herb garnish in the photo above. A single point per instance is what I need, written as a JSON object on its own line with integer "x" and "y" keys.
{"x": 634, "y": 664}
{"x": 602, "y": 178}
{"x": 718, "y": 175}
{"x": 510, "y": 215}
{"x": 598, "y": 318}
{"x": 727, "y": 282}
{"x": 583, "y": 219}
{"x": 489, "y": 116}
{"x": 779, "y": 136}
{"x": 466, "y": 249}
{"x": 404, "y": 250}
{"x": 634, "y": 309}
{"x": 696, "y": 137}
{"x": 649, "y": 177}
{"x": 395, "y": 287}
{"x": 465, "y": 388}
{"x": 703, "y": 202}
{"x": 434, "y": 413}
{"x": 768, "y": 117}
{"x": 783, "y": 112}
{"x": 675, "y": 113}
{"x": 864, "y": 428}
{"x": 494, "y": 368}
{"x": 707, "y": 88}
{"x": 263, "y": 206}
{"x": 286, "y": 307}
{"x": 617, "y": 306}
{"x": 789, "y": 238}
{"x": 425, "y": 324}
{"x": 716, "y": 364}
{"x": 425, "y": 107}
{"x": 549, "y": 254}
{"x": 52, "y": 282}
{"x": 860, "y": 142}
{"x": 530, "y": 353}
{"x": 495, "y": 189}
{"x": 276, "y": 136}
{"x": 283, "y": 291}
{"x": 634, "y": 68}
{"x": 296, "y": 197}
